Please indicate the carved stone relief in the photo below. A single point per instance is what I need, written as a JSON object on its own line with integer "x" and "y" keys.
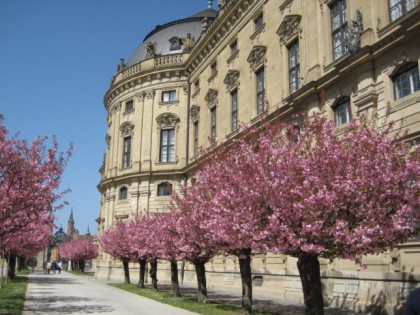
{"x": 257, "y": 56}
{"x": 150, "y": 49}
{"x": 167, "y": 120}
{"x": 108, "y": 140}
{"x": 115, "y": 109}
{"x": 127, "y": 129}
{"x": 195, "y": 113}
{"x": 355, "y": 30}
{"x": 289, "y": 28}
{"x": 232, "y": 79}
{"x": 176, "y": 43}
{"x": 211, "y": 98}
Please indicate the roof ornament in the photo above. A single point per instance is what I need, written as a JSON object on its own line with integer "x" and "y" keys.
{"x": 210, "y": 3}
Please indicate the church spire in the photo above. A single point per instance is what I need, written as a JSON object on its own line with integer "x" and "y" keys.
{"x": 71, "y": 216}
{"x": 70, "y": 224}
{"x": 88, "y": 231}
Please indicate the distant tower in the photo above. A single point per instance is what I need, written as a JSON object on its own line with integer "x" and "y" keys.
{"x": 88, "y": 231}
{"x": 70, "y": 225}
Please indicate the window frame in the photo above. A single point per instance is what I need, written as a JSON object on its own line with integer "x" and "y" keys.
{"x": 128, "y": 108}
{"x": 164, "y": 189}
{"x": 123, "y": 193}
{"x": 172, "y": 96}
{"x": 293, "y": 53}
{"x": 260, "y": 93}
{"x": 127, "y": 143}
{"x": 195, "y": 138}
{"x": 213, "y": 123}
{"x": 409, "y": 72}
{"x": 341, "y": 29}
{"x": 343, "y": 105}
{"x": 259, "y": 21}
{"x": 167, "y": 147}
{"x": 234, "y": 109}
{"x": 404, "y": 9}
{"x": 233, "y": 47}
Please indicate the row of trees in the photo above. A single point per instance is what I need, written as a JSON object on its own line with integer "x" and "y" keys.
{"x": 302, "y": 191}
{"x": 78, "y": 251}
{"x": 30, "y": 174}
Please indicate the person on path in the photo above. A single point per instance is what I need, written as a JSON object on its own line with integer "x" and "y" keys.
{"x": 412, "y": 307}
{"x": 59, "y": 266}
{"x": 48, "y": 267}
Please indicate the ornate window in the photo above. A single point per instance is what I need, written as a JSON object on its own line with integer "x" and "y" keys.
{"x": 406, "y": 80}
{"x": 294, "y": 67}
{"x": 342, "y": 111}
{"x": 167, "y": 124}
{"x": 398, "y": 8}
{"x": 164, "y": 189}
{"x": 195, "y": 135}
{"x": 234, "y": 100}
{"x": 339, "y": 28}
{"x": 167, "y": 145}
{"x": 213, "y": 123}
{"x": 127, "y": 152}
{"x": 260, "y": 91}
{"x": 169, "y": 96}
{"x": 123, "y": 193}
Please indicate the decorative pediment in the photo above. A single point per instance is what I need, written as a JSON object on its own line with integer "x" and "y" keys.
{"x": 167, "y": 120}
{"x": 232, "y": 79}
{"x": 127, "y": 129}
{"x": 289, "y": 28}
{"x": 257, "y": 56}
{"x": 211, "y": 98}
{"x": 195, "y": 113}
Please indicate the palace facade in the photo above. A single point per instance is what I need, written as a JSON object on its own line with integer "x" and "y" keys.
{"x": 193, "y": 80}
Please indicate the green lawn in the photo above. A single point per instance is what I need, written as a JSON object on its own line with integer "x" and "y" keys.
{"x": 185, "y": 302}
{"x": 12, "y": 296}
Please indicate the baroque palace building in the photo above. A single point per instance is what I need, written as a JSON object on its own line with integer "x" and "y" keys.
{"x": 193, "y": 80}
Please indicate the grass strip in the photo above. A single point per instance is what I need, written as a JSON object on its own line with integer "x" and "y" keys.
{"x": 185, "y": 302}
{"x": 12, "y": 296}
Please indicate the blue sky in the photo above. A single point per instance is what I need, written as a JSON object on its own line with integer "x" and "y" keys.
{"x": 57, "y": 58}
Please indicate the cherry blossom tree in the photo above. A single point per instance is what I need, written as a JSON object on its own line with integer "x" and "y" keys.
{"x": 29, "y": 178}
{"x": 117, "y": 242}
{"x": 78, "y": 251}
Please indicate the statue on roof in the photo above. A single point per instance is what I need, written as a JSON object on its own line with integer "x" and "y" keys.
{"x": 150, "y": 49}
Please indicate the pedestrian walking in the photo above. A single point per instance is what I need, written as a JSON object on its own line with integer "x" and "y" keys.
{"x": 412, "y": 307}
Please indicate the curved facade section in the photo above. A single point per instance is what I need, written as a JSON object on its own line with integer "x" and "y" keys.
{"x": 253, "y": 59}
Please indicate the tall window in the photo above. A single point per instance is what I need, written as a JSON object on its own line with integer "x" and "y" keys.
{"x": 234, "y": 99}
{"x": 294, "y": 67}
{"x": 213, "y": 69}
{"x": 167, "y": 145}
{"x": 398, "y": 8}
{"x": 165, "y": 189}
{"x": 339, "y": 28}
{"x": 213, "y": 123}
{"x": 406, "y": 81}
{"x": 260, "y": 91}
{"x": 195, "y": 132}
{"x": 342, "y": 112}
{"x": 123, "y": 193}
{"x": 127, "y": 152}
{"x": 168, "y": 96}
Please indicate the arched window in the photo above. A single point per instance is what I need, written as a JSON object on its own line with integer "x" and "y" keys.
{"x": 123, "y": 193}
{"x": 164, "y": 189}
{"x": 342, "y": 111}
{"x": 406, "y": 80}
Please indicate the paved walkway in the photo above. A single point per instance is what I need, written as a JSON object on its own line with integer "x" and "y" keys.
{"x": 66, "y": 293}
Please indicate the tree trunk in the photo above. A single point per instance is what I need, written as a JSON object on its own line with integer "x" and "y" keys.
{"x": 174, "y": 278}
{"x": 200, "y": 271}
{"x": 21, "y": 263}
{"x": 246, "y": 277}
{"x": 153, "y": 274}
{"x": 82, "y": 265}
{"x": 142, "y": 263}
{"x": 126, "y": 272}
{"x": 310, "y": 276}
{"x": 11, "y": 271}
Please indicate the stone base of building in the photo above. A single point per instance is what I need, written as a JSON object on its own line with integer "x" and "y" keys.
{"x": 382, "y": 284}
